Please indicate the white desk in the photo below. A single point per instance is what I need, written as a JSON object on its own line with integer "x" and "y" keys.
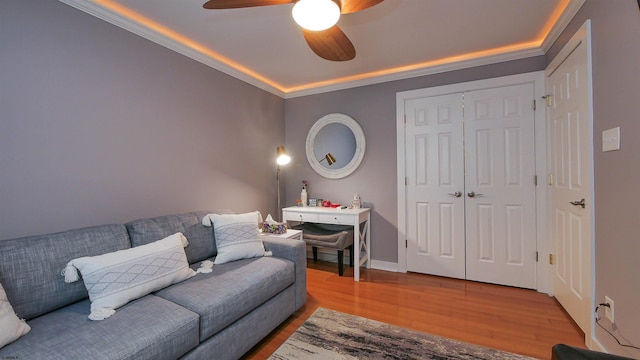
{"x": 353, "y": 217}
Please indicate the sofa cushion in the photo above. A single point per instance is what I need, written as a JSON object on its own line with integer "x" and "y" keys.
{"x": 231, "y": 291}
{"x": 30, "y": 267}
{"x": 202, "y": 244}
{"x": 114, "y": 279}
{"x": 11, "y": 327}
{"x": 147, "y": 328}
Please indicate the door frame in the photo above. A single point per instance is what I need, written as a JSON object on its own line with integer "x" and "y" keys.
{"x": 543, "y": 244}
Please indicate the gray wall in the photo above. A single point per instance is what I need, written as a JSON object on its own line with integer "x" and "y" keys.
{"x": 616, "y": 82}
{"x": 374, "y": 108}
{"x": 98, "y": 125}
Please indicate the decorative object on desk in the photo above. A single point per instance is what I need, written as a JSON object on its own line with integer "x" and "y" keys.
{"x": 313, "y": 202}
{"x": 335, "y": 205}
{"x": 330, "y": 159}
{"x": 282, "y": 158}
{"x": 273, "y": 227}
{"x": 356, "y": 203}
{"x": 326, "y": 203}
{"x": 303, "y": 194}
{"x": 329, "y": 334}
{"x": 303, "y": 197}
{"x": 319, "y": 202}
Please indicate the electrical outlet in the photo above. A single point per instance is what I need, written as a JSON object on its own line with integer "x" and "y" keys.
{"x": 609, "y": 310}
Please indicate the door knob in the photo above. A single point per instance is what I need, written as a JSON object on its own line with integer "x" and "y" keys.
{"x": 578, "y": 203}
{"x": 456, "y": 194}
{"x": 472, "y": 194}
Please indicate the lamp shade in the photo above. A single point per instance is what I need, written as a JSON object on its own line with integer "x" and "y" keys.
{"x": 330, "y": 159}
{"x": 282, "y": 157}
{"x": 316, "y": 15}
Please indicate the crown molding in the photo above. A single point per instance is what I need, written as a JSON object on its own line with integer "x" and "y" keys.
{"x": 92, "y": 8}
{"x": 565, "y": 18}
{"x": 423, "y": 71}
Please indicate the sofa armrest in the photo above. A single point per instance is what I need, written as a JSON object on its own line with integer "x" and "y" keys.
{"x": 295, "y": 251}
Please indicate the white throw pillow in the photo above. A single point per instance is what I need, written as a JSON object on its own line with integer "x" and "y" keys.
{"x": 11, "y": 327}
{"x": 237, "y": 236}
{"x": 116, "y": 278}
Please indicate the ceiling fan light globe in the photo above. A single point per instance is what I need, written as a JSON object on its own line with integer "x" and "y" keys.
{"x": 316, "y": 15}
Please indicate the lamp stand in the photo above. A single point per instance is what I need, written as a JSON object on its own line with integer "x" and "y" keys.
{"x": 279, "y": 210}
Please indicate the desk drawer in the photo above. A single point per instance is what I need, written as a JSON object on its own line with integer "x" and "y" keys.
{"x": 337, "y": 219}
{"x": 302, "y": 217}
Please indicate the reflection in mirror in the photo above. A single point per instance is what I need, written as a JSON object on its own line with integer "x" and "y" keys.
{"x": 337, "y": 140}
{"x": 337, "y": 135}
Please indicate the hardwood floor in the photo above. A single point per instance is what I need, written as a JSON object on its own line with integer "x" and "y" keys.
{"x": 511, "y": 319}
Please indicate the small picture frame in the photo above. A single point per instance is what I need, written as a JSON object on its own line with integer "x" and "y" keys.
{"x": 313, "y": 202}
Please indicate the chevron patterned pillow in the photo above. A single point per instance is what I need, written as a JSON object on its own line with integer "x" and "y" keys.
{"x": 237, "y": 236}
{"x": 114, "y": 279}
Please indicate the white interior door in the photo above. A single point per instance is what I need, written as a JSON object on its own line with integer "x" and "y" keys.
{"x": 500, "y": 186}
{"x": 435, "y": 184}
{"x": 571, "y": 153}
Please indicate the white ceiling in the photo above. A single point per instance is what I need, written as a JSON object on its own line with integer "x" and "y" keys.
{"x": 393, "y": 40}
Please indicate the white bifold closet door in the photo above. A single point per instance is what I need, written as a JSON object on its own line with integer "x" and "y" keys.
{"x": 470, "y": 161}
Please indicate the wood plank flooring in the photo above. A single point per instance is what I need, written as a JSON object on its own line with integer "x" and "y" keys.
{"x": 511, "y": 319}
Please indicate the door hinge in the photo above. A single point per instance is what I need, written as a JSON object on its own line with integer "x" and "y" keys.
{"x": 535, "y": 180}
{"x": 405, "y": 119}
{"x": 534, "y": 105}
{"x": 537, "y": 256}
{"x": 552, "y": 259}
{"x": 550, "y": 179}
{"x": 406, "y": 243}
{"x": 548, "y": 99}
{"x": 406, "y": 181}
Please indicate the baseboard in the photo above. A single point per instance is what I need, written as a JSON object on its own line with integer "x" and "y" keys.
{"x": 332, "y": 256}
{"x": 384, "y": 265}
{"x": 595, "y": 345}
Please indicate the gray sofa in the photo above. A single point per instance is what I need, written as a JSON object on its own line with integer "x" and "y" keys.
{"x": 219, "y": 315}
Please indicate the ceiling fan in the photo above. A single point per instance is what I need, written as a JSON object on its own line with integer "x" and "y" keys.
{"x": 317, "y": 19}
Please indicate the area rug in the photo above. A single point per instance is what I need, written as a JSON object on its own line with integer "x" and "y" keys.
{"x": 330, "y": 335}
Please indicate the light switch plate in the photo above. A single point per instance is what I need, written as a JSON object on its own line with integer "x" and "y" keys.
{"x": 611, "y": 139}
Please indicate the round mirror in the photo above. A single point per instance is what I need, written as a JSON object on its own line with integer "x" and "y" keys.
{"x": 335, "y": 146}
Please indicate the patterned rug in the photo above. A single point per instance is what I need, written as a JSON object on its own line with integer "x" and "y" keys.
{"x": 330, "y": 335}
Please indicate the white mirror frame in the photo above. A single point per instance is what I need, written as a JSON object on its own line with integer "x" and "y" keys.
{"x": 357, "y": 156}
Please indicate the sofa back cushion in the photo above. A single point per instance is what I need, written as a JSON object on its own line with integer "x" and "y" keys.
{"x": 30, "y": 267}
{"x": 202, "y": 244}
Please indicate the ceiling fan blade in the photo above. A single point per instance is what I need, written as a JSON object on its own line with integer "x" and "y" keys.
{"x": 351, "y": 6}
{"x": 235, "y": 4}
{"x": 331, "y": 44}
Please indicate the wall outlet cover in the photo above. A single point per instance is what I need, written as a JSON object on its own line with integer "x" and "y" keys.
{"x": 609, "y": 310}
{"x": 611, "y": 139}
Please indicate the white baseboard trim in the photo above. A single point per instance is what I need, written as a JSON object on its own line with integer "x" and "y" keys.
{"x": 384, "y": 265}
{"x": 332, "y": 256}
{"x": 595, "y": 345}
